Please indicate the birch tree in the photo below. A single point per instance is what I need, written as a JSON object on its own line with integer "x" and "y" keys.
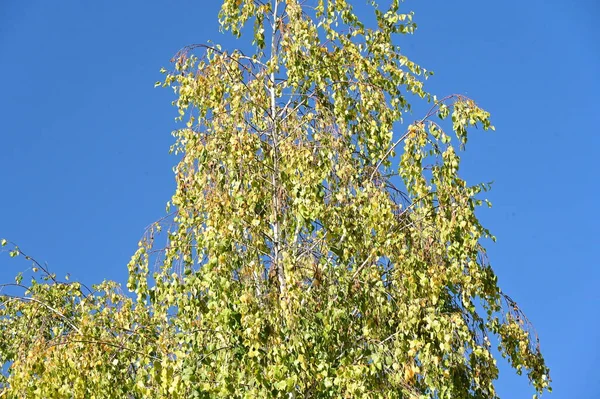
{"x": 321, "y": 242}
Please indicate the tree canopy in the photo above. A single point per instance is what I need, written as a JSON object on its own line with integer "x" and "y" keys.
{"x": 319, "y": 243}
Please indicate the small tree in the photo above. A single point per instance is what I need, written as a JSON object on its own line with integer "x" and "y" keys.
{"x": 313, "y": 251}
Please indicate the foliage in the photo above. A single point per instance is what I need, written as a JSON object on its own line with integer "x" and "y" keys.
{"x": 313, "y": 251}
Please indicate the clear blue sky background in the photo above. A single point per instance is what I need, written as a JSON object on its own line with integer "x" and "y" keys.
{"x": 84, "y": 141}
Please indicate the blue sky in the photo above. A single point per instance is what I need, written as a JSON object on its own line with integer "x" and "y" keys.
{"x": 84, "y": 141}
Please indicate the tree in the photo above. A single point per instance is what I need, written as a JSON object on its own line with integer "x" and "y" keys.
{"x": 313, "y": 250}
